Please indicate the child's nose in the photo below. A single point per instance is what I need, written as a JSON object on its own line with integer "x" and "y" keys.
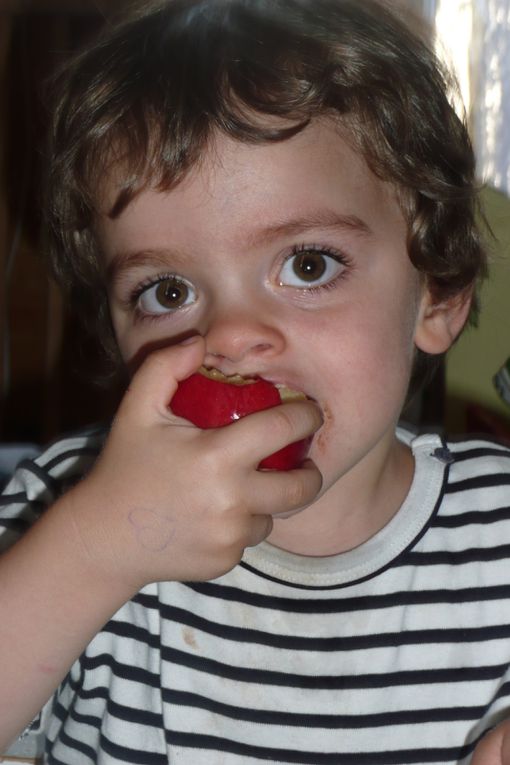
{"x": 237, "y": 340}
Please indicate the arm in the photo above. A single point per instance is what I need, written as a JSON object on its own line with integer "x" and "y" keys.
{"x": 140, "y": 516}
{"x": 52, "y": 603}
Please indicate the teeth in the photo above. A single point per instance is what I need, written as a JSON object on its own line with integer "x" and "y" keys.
{"x": 287, "y": 394}
{"x": 215, "y": 374}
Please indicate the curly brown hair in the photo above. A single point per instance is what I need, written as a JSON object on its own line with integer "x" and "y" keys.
{"x": 146, "y": 98}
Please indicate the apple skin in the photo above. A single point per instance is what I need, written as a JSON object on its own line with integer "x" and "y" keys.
{"x": 209, "y": 403}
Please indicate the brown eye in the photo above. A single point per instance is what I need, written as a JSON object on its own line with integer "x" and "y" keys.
{"x": 166, "y": 295}
{"x": 171, "y": 293}
{"x": 309, "y": 266}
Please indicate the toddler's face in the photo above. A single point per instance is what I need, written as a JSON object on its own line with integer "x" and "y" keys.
{"x": 290, "y": 259}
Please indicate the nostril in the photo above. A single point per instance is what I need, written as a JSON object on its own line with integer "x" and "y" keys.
{"x": 235, "y": 358}
{"x": 233, "y": 338}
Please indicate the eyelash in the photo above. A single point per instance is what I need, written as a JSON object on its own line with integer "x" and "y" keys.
{"x": 340, "y": 258}
{"x": 134, "y": 296}
{"x": 132, "y": 301}
{"x": 146, "y": 284}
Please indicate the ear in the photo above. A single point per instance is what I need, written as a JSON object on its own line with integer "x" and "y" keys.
{"x": 440, "y": 323}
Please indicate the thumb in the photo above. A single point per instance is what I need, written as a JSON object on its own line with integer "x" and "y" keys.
{"x": 155, "y": 381}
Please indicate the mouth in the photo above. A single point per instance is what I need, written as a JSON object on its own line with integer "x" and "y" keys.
{"x": 286, "y": 393}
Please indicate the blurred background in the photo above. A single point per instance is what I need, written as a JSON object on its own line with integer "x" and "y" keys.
{"x": 47, "y": 364}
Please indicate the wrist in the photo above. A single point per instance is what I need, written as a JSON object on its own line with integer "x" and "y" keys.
{"x": 95, "y": 544}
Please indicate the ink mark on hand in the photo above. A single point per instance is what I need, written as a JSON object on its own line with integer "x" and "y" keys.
{"x": 153, "y": 532}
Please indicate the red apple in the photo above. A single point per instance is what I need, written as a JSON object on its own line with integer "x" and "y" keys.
{"x": 210, "y": 400}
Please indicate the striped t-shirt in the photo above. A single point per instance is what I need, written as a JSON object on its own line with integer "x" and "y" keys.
{"x": 396, "y": 652}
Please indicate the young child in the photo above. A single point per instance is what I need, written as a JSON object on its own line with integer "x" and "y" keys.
{"x": 275, "y": 189}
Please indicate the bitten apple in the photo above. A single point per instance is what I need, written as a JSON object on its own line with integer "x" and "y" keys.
{"x": 208, "y": 399}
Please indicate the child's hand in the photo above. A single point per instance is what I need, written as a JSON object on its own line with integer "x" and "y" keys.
{"x": 168, "y": 501}
{"x": 494, "y": 748}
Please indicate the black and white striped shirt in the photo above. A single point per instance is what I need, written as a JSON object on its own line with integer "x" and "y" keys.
{"x": 394, "y": 653}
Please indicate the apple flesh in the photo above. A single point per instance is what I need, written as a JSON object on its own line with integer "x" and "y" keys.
{"x": 210, "y": 400}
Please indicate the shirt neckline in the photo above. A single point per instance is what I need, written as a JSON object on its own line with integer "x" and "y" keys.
{"x": 378, "y": 552}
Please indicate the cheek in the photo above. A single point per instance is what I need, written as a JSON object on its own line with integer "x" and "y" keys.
{"x": 390, "y": 325}
{"x": 388, "y": 352}
{"x": 130, "y": 346}
{"x": 136, "y": 342}
{"x": 125, "y": 341}
{"x": 370, "y": 365}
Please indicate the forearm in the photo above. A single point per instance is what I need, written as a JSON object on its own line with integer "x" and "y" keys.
{"x": 53, "y": 600}
{"x": 140, "y": 516}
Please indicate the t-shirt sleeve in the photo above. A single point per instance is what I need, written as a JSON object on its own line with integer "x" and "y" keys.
{"x": 37, "y": 483}
{"x": 20, "y": 504}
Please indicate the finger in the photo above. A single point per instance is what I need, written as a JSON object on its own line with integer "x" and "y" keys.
{"x": 277, "y": 493}
{"x": 260, "y": 528}
{"x": 253, "y": 437}
{"x": 156, "y": 380}
{"x": 489, "y": 750}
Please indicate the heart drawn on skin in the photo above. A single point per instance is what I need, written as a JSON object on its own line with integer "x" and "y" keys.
{"x": 153, "y": 531}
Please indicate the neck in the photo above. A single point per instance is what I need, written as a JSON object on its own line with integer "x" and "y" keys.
{"x": 352, "y": 510}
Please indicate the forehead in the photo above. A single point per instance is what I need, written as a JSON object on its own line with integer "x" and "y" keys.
{"x": 241, "y": 190}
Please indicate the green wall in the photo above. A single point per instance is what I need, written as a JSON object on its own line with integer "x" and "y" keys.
{"x": 480, "y": 352}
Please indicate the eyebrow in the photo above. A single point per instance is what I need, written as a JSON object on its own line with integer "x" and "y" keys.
{"x": 126, "y": 261}
{"x": 322, "y": 219}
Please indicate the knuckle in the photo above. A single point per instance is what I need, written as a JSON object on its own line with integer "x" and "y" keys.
{"x": 283, "y": 419}
{"x": 229, "y": 544}
{"x": 227, "y": 537}
{"x": 302, "y": 490}
{"x": 295, "y": 494}
{"x": 213, "y": 455}
{"x": 156, "y": 361}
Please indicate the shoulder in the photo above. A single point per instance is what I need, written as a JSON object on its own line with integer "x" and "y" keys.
{"x": 467, "y": 457}
{"x": 37, "y": 482}
{"x": 475, "y": 470}
{"x": 477, "y": 484}
{"x": 469, "y": 528}
{"x": 68, "y": 456}
{"x": 63, "y": 460}
{"x": 479, "y": 461}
